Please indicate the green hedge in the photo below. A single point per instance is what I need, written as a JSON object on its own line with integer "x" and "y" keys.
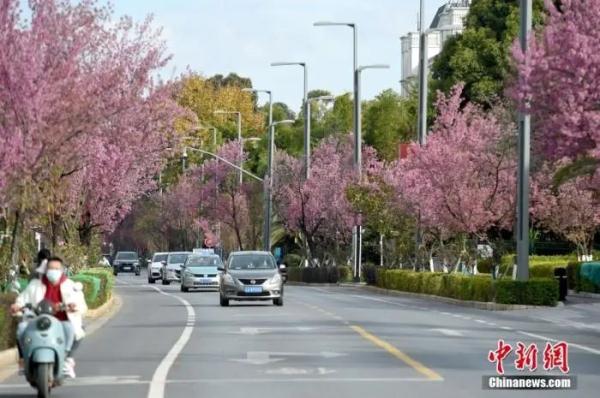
{"x": 8, "y": 323}
{"x": 319, "y": 274}
{"x": 107, "y": 281}
{"x": 292, "y": 260}
{"x": 537, "y": 291}
{"x": 91, "y": 289}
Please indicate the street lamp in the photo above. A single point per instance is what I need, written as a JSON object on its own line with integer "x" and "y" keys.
{"x": 269, "y": 185}
{"x": 523, "y": 167}
{"x": 239, "y": 135}
{"x": 270, "y": 151}
{"x": 306, "y": 107}
{"x": 424, "y": 71}
{"x": 214, "y": 131}
{"x": 355, "y": 77}
{"x": 358, "y": 158}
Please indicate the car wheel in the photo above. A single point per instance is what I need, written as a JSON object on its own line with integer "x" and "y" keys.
{"x": 115, "y": 273}
{"x": 151, "y": 281}
{"x": 278, "y": 301}
{"x": 165, "y": 282}
{"x": 184, "y": 289}
{"x": 223, "y": 301}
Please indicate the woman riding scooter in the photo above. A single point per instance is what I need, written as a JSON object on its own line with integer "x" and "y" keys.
{"x": 55, "y": 287}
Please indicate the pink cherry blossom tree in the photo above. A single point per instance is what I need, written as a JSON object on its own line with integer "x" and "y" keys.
{"x": 318, "y": 209}
{"x": 83, "y": 125}
{"x": 559, "y": 80}
{"x": 462, "y": 182}
{"x": 570, "y": 209}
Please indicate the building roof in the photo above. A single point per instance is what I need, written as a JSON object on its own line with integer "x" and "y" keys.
{"x": 450, "y": 4}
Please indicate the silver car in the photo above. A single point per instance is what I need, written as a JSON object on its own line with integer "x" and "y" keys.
{"x": 251, "y": 276}
{"x": 171, "y": 269}
{"x": 200, "y": 271}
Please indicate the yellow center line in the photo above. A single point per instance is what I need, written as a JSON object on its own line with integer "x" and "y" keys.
{"x": 416, "y": 365}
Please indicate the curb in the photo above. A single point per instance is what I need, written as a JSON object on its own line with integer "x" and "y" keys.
{"x": 98, "y": 316}
{"x": 583, "y": 294}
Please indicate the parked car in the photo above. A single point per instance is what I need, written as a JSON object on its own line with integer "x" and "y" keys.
{"x": 171, "y": 269}
{"x": 126, "y": 262}
{"x": 250, "y": 275}
{"x": 155, "y": 265}
{"x": 200, "y": 271}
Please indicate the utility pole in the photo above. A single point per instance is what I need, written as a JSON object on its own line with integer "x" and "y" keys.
{"x": 524, "y": 159}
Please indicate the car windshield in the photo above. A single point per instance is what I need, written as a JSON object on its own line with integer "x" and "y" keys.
{"x": 159, "y": 257}
{"x": 126, "y": 256}
{"x": 251, "y": 262}
{"x": 203, "y": 261}
{"x": 177, "y": 258}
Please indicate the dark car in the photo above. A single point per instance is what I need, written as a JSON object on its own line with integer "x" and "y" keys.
{"x": 126, "y": 262}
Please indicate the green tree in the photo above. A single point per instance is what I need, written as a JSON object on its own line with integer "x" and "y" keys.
{"x": 479, "y": 56}
{"x": 388, "y": 120}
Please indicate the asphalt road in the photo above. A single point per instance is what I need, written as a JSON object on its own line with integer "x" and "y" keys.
{"x": 324, "y": 342}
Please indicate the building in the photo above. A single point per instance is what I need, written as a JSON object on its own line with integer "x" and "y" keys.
{"x": 448, "y": 21}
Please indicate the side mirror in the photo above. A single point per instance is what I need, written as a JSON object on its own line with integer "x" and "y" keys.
{"x": 282, "y": 267}
{"x": 163, "y": 262}
{"x": 149, "y": 261}
{"x": 221, "y": 268}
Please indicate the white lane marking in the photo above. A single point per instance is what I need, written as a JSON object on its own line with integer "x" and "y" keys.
{"x": 159, "y": 379}
{"x": 307, "y": 380}
{"x": 540, "y": 337}
{"x": 480, "y": 321}
{"x": 506, "y": 328}
{"x": 262, "y": 330}
{"x": 449, "y": 332}
{"x": 378, "y": 299}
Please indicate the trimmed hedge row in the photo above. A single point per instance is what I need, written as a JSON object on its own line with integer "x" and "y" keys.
{"x": 319, "y": 274}
{"x": 537, "y": 291}
{"x": 107, "y": 281}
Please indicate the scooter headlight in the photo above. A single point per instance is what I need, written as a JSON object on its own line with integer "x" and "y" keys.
{"x": 43, "y": 323}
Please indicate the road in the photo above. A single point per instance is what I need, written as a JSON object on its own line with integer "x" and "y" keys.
{"x": 324, "y": 342}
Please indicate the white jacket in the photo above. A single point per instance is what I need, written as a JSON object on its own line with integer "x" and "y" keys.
{"x": 71, "y": 292}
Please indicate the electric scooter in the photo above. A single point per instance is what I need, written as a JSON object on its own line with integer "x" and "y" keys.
{"x": 43, "y": 346}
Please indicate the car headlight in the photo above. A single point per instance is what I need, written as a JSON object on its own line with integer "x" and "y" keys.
{"x": 228, "y": 279}
{"x": 275, "y": 280}
{"x": 188, "y": 274}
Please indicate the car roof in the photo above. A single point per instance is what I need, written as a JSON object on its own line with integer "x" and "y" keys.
{"x": 180, "y": 252}
{"x": 126, "y": 251}
{"x": 203, "y": 255}
{"x": 250, "y": 252}
{"x": 160, "y": 253}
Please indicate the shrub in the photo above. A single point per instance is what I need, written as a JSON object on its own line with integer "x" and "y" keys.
{"x": 536, "y": 291}
{"x": 573, "y": 275}
{"x": 292, "y": 260}
{"x": 91, "y": 289}
{"x": 294, "y": 274}
{"x": 369, "y": 273}
{"x": 344, "y": 273}
{"x": 8, "y": 323}
{"x": 107, "y": 280}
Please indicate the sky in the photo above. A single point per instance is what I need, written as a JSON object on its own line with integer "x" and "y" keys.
{"x": 245, "y": 36}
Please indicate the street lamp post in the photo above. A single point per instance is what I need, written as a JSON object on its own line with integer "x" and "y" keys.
{"x": 306, "y": 108}
{"x": 357, "y": 148}
{"x": 422, "y": 122}
{"x": 239, "y": 136}
{"x": 523, "y": 167}
{"x": 358, "y": 159}
{"x": 269, "y": 184}
{"x": 270, "y": 150}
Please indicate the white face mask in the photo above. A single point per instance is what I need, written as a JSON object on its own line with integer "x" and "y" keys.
{"x": 54, "y": 275}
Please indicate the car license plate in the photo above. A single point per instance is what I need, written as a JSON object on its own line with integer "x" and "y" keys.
{"x": 206, "y": 281}
{"x": 253, "y": 289}
{"x": 126, "y": 268}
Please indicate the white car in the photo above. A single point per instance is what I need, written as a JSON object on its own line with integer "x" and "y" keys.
{"x": 171, "y": 269}
{"x": 155, "y": 265}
